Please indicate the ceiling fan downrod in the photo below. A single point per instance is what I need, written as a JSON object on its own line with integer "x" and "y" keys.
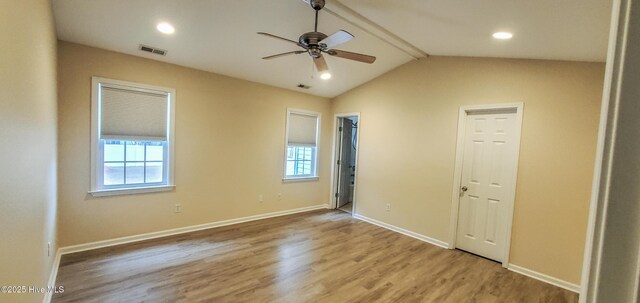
{"x": 317, "y": 5}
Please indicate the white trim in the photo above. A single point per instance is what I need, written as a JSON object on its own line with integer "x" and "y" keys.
{"x": 53, "y": 275}
{"x": 544, "y": 278}
{"x": 172, "y": 137}
{"x": 333, "y": 204}
{"x": 403, "y": 231}
{"x": 182, "y": 230}
{"x": 96, "y": 178}
{"x": 300, "y": 179}
{"x": 636, "y": 288}
{"x": 593, "y": 248}
{"x": 131, "y": 191}
{"x": 318, "y": 115}
{"x": 455, "y": 197}
{"x": 133, "y": 85}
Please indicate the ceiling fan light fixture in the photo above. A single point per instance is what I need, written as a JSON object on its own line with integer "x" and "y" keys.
{"x": 502, "y": 35}
{"x": 316, "y": 44}
{"x": 165, "y": 28}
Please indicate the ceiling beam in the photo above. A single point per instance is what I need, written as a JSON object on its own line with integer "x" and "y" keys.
{"x": 352, "y": 17}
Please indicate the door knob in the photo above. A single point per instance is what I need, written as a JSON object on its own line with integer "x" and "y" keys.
{"x": 464, "y": 188}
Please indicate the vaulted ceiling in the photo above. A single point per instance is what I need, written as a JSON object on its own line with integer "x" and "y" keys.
{"x": 220, "y": 35}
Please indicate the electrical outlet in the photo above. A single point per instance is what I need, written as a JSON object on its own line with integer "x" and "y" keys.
{"x": 260, "y": 199}
{"x": 178, "y": 208}
{"x": 48, "y": 249}
{"x": 279, "y": 196}
{"x": 388, "y": 208}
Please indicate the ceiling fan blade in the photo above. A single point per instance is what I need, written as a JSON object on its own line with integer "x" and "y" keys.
{"x": 278, "y": 37}
{"x": 336, "y": 39}
{"x": 321, "y": 64}
{"x": 284, "y": 54}
{"x": 352, "y": 56}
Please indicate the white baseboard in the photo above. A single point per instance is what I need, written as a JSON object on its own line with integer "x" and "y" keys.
{"x": 403, "y": 231}
{"x": 52, "y": 276}
{"x": 544, "y": 278}
{"x": 182, "y": 230}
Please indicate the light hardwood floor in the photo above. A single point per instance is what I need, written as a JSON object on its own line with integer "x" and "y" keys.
{"x": 320, "y": 256}
{"x": 347, "y": 207}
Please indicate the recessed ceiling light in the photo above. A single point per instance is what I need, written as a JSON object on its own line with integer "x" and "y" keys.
{"x": 325, "y": 76}
{"x": 502, "y": 35}
{"x": 165, "y": 28}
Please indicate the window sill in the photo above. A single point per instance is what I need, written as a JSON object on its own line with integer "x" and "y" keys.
{"x": 131, "y": 191}
{"x": 300, "y": 179}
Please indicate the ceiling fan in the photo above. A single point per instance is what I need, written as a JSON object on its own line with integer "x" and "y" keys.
{"x": 316, "y": 43}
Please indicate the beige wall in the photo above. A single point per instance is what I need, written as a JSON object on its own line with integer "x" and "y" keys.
{"x": 407, "y": 149}
{"x": 27, "y": 145}
{"x": 229, "y": 149}
{"x": 408, "y": 140}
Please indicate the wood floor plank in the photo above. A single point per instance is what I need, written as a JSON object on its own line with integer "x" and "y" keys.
{"x": 320, "y": 256}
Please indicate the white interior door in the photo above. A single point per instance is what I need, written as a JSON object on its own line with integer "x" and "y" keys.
{"x": 489, "y": 157}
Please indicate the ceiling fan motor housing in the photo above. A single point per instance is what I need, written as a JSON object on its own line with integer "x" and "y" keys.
{"x": 312, "y": 39}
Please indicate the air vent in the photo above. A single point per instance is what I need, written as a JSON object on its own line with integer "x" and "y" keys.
{"x": 304, "y": 86}
{"x": 153, "y": 50}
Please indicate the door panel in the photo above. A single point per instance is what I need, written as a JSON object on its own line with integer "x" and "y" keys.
{"x": 470, "y": 216}
{"x": 476, "y": 162}
{"x": 492, "y": 216}
{"x": 487, "y": 173}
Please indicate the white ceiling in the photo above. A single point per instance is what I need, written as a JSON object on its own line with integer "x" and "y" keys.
{"x": 220, "y": 35}
{"x": 575, "y": 30}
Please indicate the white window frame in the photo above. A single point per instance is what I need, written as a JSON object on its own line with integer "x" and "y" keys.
{"x": 314, "y": 158}
{"x": 97, "y": 149}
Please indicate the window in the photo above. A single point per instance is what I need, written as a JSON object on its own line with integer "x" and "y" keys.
{"x": 133, "y": 162}
{"x": 132, "y": 137}
{"x": 300, "y": 160}
{"x": 302, "y": 145}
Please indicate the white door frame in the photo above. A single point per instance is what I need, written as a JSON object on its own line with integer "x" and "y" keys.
{"x": 607, "y": 130}
{"x": 333, "y": 204}
{"x": 455, "y": 196}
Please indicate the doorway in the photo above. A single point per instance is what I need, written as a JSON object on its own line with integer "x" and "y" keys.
{"x": 343, "y": 183}
{"x": 485, "y": 180}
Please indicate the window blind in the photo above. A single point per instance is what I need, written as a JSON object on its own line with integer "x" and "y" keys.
{"x": 133, "y": 115}
{"x": 302, "y": 129}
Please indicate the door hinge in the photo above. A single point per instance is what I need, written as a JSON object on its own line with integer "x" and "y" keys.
{"x": 337, "y": 195}
{"x": 340, "y": 129}
{"x": 338, "y": 162}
